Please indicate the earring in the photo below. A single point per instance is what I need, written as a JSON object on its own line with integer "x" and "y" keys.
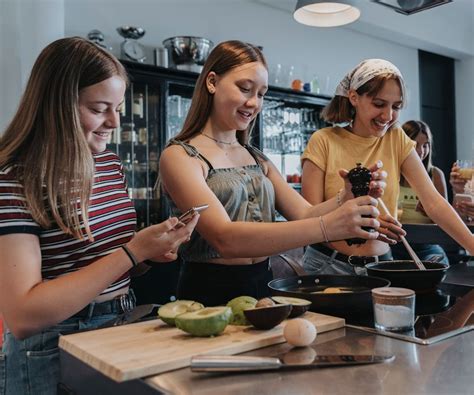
{"x": 211, "y": 91}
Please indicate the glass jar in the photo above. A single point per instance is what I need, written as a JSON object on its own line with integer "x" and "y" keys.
{"x": 394, "y": 309}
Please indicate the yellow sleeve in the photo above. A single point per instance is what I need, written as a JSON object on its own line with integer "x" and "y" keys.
{"x": 317, "y": 150}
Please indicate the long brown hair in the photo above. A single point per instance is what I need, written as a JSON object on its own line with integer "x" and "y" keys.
{"x": 413, "y": 129}
{"x": 45, "y": 140}
{"x": 223, "y": 58}
{"x": 340, "y": 109}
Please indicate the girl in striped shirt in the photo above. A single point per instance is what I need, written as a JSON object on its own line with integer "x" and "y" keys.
{"x": 67, "y": 225}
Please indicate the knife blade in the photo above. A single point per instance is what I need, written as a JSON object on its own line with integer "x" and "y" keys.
{"x": 239, "y": 363}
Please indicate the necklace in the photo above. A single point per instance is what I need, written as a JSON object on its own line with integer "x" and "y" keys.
{"x": 219, "y": 141}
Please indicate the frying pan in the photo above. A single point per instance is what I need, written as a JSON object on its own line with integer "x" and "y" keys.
{"x": 346, "y": 305}
{"x": 406, "y": 274}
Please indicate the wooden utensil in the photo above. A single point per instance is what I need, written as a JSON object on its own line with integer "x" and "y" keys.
{"x": 412, "y": 253}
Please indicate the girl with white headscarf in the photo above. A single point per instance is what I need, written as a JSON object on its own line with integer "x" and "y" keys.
{"x": 364, "y": 112}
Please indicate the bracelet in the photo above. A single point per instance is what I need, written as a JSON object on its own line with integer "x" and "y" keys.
{"x": 339, "y": 198}
{"x": 130, "y": 255}
{"x": 323, "y": 229}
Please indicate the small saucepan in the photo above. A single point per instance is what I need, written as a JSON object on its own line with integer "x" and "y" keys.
{"x": 406, "y": 274}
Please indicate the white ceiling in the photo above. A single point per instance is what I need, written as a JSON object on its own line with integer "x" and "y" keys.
{"x": 447, "y": 29}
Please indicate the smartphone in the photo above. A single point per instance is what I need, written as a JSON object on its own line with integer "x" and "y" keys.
{"x": 187, "y": 216}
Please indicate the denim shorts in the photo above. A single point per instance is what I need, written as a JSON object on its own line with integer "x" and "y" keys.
{"x": 31, "y": 366}
{"x": 315, "y": 262}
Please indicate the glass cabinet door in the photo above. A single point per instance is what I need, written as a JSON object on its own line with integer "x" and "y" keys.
{"x": 136, "y": 142}
{"x": 178, "y": 102}
{"x": 286, "y": 129}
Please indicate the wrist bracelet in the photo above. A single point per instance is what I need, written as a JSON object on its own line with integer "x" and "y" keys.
{"x": 339, "y": 198}
{"x": 130, "y": 255}
{"x": 323, "y": 229}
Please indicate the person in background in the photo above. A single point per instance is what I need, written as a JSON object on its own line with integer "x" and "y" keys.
{"x": 211, "y": 162}
{"x": 67, "y": 225}
{"x": 368, "y": 101}
{"x": 412, "y": 209}
{"x": 460, "y": 185}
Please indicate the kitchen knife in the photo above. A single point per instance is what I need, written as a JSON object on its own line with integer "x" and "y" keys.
{"x": 238, "y": 363}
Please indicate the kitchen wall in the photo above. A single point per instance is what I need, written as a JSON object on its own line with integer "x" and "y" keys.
{"x": 327, "y": 53}
{"x": 26, "y": 26}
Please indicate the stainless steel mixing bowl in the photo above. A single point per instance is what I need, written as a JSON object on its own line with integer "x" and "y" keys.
{"x": 185, "y": 50}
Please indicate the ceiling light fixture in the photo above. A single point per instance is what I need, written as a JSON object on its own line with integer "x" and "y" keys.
{"x": 323, "y": 13}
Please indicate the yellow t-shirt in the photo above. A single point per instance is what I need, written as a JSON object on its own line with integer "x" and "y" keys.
{"x": 335, "y": 148}
{"x": 407, "y": 202}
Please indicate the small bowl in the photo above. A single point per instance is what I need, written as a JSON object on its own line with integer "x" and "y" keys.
{"x": 298, "y": 306}
{"x": 267, "y": 317}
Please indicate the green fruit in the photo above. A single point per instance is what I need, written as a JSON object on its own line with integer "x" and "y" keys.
{"x": 170, "y": 311}
{"x": 238, "y": 305}
{"x": 209, "y": 321}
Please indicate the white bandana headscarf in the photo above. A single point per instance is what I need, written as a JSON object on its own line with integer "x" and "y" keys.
{"x": 364, "y": 72}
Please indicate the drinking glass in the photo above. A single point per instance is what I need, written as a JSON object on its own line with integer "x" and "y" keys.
{"x": 466, "y": 169}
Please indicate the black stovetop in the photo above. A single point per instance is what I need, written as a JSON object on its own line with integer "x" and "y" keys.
{"x": 440, "y": 314}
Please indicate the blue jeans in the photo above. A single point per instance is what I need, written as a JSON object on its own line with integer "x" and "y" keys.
{"x": 31, "y": 366}
{"x": 315, "y": 262}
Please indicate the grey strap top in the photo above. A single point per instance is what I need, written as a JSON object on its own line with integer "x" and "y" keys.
{"x": 245, "y": 192}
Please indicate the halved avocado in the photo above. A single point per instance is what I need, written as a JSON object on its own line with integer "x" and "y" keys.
{"x": 170, "y": 311}
{"x": 209, "y": 321}
{"x": 299, "y": 306}
{"x": 238, "y": 305}
{"x": 267, "y": 317}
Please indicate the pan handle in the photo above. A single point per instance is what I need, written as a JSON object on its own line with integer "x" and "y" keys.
{"x": 294, "y": 264}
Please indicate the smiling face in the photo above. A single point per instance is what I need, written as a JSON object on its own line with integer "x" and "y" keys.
{"x": 238, "y": 95}
{"x": 99, "y": 111}
{"x": 423, "y": 145}
{"x": 375, "y": 115}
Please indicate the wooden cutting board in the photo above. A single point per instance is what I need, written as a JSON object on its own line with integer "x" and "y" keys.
{"x": 151, "y": 347}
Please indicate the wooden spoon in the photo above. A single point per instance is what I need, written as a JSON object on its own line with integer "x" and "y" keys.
{"x": 412, "y": 253}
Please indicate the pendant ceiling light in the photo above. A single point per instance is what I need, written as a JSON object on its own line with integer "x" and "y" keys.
{"x": 325, "y": 13}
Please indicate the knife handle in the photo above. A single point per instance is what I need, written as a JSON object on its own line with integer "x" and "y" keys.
{"x": 232, "y": 363}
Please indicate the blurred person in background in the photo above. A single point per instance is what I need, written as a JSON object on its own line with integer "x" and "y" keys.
{"x": 412, "y": 211}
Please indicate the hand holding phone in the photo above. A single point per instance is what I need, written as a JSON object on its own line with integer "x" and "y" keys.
{"x": 187, "y": 216}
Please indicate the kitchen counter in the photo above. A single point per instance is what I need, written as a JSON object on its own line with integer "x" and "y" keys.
{"x": 440, "y": 368}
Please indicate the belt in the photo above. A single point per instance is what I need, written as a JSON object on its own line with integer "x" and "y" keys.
{"x": 120, "y": 304}
{"x": 354, "y": 260}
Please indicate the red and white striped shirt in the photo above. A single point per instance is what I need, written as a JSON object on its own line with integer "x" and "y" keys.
{"x": 112, "y": 220}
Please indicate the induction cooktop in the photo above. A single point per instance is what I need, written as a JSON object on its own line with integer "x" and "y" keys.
{"x": 439, "y": 315}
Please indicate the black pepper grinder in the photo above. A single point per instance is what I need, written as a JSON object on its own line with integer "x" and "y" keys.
{"x": 360, "y": 180}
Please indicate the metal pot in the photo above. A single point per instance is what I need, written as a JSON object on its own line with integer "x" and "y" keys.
{"x": 407, "y": 275}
